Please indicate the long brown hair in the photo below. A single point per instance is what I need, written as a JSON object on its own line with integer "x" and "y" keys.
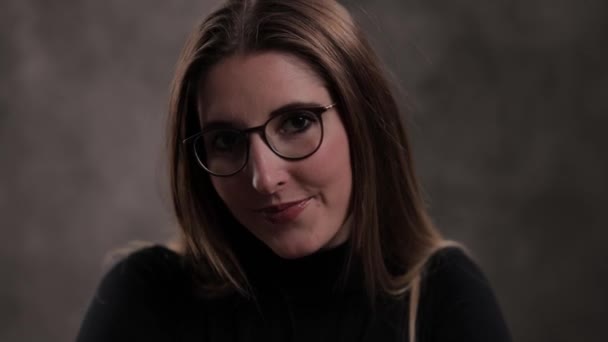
{"x": 392, "y": 234}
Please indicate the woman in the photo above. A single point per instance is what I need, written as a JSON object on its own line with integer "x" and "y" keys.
{"x": 294, "y": 188}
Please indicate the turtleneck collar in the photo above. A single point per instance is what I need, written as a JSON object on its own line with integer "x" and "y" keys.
{"x": 318, "y": 274}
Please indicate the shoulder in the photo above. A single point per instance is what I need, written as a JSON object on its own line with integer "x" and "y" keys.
{"x": 137, "y": 298}
{"x": 452, "y": 274}
{"x": 457, "y": 299}
{"x": 150, "y": 273}
{"x": 151, "y": 260}
{"x": 154, "y": 266}
{"x": 453, "y": 268}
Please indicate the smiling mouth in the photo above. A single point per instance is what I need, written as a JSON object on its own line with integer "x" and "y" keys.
{"x": 284, "y": 212}
{"x": 282, "y": 206}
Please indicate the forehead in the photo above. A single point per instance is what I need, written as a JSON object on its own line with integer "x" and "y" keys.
{"x": 245, "y": 88}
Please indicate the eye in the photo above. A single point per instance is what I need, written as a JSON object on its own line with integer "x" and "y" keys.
{"x": 296, "y": 122}
{"x": 223, "y": 140}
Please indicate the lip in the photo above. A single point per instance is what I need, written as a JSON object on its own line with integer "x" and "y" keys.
{"x": 284, "y": 212}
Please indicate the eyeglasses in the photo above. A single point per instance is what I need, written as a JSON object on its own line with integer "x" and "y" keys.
{"x": 293, "y": 135}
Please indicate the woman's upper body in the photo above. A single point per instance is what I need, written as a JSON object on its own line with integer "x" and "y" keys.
{"x": 284, "y": 134}
{"x": 150, "y": 296}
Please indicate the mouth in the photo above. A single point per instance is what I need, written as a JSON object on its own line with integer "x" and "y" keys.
{"x": 281, "y": 206}
{"x": 284, "y": 212}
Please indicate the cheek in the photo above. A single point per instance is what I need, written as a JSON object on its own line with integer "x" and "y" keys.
{"x": 329, "y": 169}
{"x": 227, "y": 188}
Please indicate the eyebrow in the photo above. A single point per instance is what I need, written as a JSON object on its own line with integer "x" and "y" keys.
{"x": 215, "y": 124}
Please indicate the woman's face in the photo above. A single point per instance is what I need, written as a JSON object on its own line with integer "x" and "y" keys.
{"x": 295, "y": 207}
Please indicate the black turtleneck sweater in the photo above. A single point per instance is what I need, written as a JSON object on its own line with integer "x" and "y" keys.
{"x": 149, "y": 297}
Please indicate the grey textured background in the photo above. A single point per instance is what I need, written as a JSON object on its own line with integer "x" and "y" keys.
{"x": 508, "y": 109}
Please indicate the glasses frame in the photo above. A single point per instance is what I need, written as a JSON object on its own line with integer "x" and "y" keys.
{"x": 261, "y": 129}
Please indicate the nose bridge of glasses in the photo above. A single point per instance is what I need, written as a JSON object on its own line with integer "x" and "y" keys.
{"x": 260, "y": 130}
{"x": 257, "y": 129}
{"x": 257, "y": 143}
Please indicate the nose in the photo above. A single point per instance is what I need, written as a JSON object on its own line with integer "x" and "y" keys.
{"x": 266, "y": 169}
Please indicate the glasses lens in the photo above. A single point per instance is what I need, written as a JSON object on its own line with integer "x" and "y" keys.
{"x": 222, "y": 151}
{"x": 295, "y": 134}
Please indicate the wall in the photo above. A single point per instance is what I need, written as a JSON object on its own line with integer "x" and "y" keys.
{"x": 507, "y": 109}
